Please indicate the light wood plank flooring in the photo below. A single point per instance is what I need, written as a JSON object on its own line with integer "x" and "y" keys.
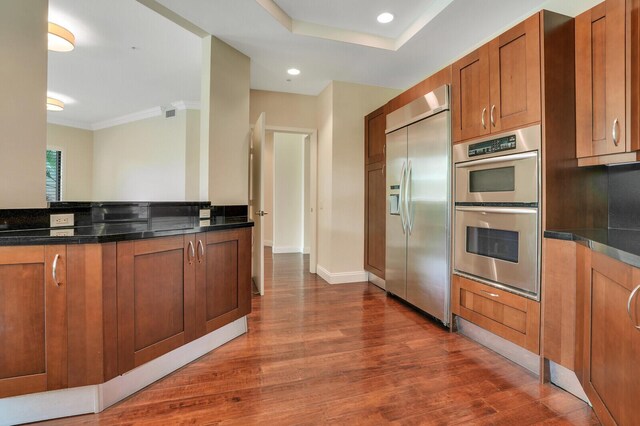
{"x": 344, "y": 354}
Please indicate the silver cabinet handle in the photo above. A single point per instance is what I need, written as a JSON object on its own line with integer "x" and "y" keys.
{"x": 631, "y": 296}
{"x": 192, "y": 252}
{"x": 615, "y": 130}
{"x": 200, "y": 251}
{"x": 54, "y": 272}
{"x": 408, "y": 198}
{"x": 401, "y": 201}
{"x": 493, "y": 120}
{"x": 490, "y": 294}
{"x": 484, "y": 124}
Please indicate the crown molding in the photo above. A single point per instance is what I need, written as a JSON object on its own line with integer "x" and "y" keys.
{"x": 61, "y": 121}
{"x": 354, "y": 37}
{"x": 129, "y": 118}
{"x": 182, "y": 105}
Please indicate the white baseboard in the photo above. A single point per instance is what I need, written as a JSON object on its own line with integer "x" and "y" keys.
{"x": 374, "y": 279}
{"x": 93, "y": 399}
{"x": 285, "y": 249}
{"x": 268, "y": 243}
{"x": 342, "y": 277}
{"x": 507, "y": 349}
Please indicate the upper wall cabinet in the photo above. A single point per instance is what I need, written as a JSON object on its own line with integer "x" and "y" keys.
{"x": 607, "y": 83}
{"x": 374, "y": 138}
{"x": 497, "y": 87}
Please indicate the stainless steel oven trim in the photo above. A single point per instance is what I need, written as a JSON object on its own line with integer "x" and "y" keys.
{"x": 503, "y": 210}
{"x": 527, "y": 139}
{"x": 498, "y": 159}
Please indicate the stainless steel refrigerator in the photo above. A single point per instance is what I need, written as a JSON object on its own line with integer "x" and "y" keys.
{"x": 418, "y": 181}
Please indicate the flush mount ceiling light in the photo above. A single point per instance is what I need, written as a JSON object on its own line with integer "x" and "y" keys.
{"x": 54, "y": 104}
{"x": 293, "y": 71}
{"x": 60, "y": 38}
{"x": 385, "y": 18}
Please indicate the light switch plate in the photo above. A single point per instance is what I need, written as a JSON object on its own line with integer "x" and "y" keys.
{"x": 61, "y": 220}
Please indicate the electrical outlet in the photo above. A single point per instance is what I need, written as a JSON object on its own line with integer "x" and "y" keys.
{"x": 61, "y": 220}
{"x": 205, "y": 213}
{"x": 205, "y": 222}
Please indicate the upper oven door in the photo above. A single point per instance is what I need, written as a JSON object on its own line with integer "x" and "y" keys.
{"x": 498, "y": 244}
{"x": 504, "y": 179}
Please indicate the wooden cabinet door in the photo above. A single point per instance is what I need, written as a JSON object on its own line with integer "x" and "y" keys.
{"x": 223, "y": 278}
{"x": 156, "y": 298}
{"x": 375, "y": 219}
{"x": 514, "y": 59}
{"x": 600, "y": 80}
{"x": 374, "y": 136}
{"x": 470, "y": 95}
{"x": 33, "y": 319}
{"x": 612, "y": 343}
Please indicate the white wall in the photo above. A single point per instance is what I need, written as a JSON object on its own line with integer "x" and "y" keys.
{"x": 77, "y": 160}
{"x": 224, "y": 128}
{"x": 141, "y": 161}
{"x": 23, "y": 86}
{"x": 306, "y": 212}
{"x": 288, "y": 227}
{"x": 267, "y": 164}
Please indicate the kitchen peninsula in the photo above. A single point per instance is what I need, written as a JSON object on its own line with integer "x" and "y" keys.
{"x": 99, "y": 310}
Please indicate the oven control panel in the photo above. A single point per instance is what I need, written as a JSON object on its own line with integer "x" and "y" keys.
{"x": 495, "y": 145}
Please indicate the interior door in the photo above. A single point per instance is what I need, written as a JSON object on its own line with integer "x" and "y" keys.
{"x": 257, "y": 202}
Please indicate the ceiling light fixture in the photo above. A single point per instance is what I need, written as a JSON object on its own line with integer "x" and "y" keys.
{"x": 60, "y": 38}
{"x": 385, "y": 18}
{"x": 293, "y": 71}
{"x": 54, "y": 104}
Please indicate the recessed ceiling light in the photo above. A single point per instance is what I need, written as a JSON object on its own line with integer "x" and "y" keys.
{"x": 293, "y": 71}
{"x": 54, "y": 104}
{"x": 385, "y": 18}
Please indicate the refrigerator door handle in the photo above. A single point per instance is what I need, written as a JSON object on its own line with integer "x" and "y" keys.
{"x": 401, "y": 201}
{"x": 408, "y": 201}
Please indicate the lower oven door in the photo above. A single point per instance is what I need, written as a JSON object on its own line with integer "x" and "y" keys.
{"x": 499, "y": 245}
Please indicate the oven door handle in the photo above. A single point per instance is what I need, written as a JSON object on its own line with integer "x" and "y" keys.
{"x": 499, "y": 210}
{"x": 499, "y": 159}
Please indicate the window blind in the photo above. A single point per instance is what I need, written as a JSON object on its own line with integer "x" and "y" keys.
{"x": 53, "y": 175}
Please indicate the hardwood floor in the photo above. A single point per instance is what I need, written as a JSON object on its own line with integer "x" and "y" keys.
{"x": 343, "y": 354}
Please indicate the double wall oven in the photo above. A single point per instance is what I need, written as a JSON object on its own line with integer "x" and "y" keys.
{"x": 497, "y": 210}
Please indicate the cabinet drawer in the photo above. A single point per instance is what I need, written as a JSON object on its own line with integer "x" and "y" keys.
{"x": 510, "y": 316}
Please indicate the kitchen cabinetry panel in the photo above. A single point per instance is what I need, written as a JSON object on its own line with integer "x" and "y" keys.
{"x": 32, "y": 319}
{"x": 470, "y": 95}
{"x": 510, "y": 316}
{"x": 601, "y": 80}
{"x": 375, "y": 124}
{"x": 156, "y": 298}
{"x": 514, "y": 59}
{"x": 612, "y": 343}
{"x": 375, "y": 219}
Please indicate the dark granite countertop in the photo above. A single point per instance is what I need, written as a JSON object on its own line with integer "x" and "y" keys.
{"x": 111, "y": 232}
{"x": 620, "y": 244}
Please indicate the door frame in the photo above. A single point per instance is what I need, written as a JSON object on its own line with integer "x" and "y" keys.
{"x": 313, "y": 187}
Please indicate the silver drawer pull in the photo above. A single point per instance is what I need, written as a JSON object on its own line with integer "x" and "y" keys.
{"x": 493, "y": 120}
{"x": 192, "y": 252}
{"x": 615, "y": 132}
{"x": 200, "y": 251}
{"x": 631, "y": 296}
{"x": 484, "y": 124}
{"x": 490, "y": 294}
{"x": 54, "y": 272}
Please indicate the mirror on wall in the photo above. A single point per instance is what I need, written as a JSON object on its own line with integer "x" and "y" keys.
{"x": 128, "y": 117}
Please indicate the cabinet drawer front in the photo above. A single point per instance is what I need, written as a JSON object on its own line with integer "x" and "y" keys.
{"x": 510, "y": 316}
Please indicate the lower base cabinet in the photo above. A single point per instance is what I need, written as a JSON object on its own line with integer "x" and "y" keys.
{"x": 611, "y": 356}
{"x": 508, "y": 315}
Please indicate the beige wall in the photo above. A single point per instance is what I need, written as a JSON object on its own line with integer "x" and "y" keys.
{"x": 143, "y": 160}
{"x": 284, "y": 109}
{"x": 192, "y": 156}
{"x": 225, "y": 132}
{"x": 341, "y": 172}
{"x": 77, "y": 160}
{"x": 23, "y": 83}
{"x": 267, "y": 164}
{"x": 288, "y": 183}
{"x": 307, "y": 194}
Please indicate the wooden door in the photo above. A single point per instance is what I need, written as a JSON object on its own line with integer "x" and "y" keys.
{"x": 223, "y": 278}
{"x": 374, "y": 136}
{"x": 600, "y": 80}
{"x": 612, "y": 342}
{"x": 156, "y": 298}
{"x": 33, "y": 319}
{"x": 514, "y": 59}
{"x": 470, "y": 95}
{"x": 256, "y": 204}
{"x": 375, "y": 218}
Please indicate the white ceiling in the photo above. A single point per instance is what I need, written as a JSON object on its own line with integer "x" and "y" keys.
{"x": 106, "y": 79}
